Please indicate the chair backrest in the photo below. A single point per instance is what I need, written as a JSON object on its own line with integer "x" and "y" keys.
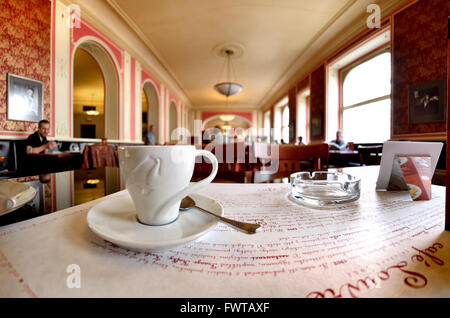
{"x": 292, "y": 158}
{"x": 351, "y": 146}
{"x": 231, "y": 156}
{"x": 19, "y": 149}
{"x": 7, "y": 151}
{"x": 99, "y": 155}
{"x": 370, "y": 155}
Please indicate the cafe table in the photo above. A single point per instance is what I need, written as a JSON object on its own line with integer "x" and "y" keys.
{"x": 56, "y": 154}
{"x": 47, "y": 162}
{"x": 343, "y": 158}
{"x": 382, "y": 245}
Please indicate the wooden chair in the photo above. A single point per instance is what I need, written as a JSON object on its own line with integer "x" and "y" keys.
{"x": 280, "y": 161}
{"x": 99, "y": 155}
{"x": 232, "y": 157}
{"x": 370, "y": 155}
{"x": 234, "y": 163}
{"x": 351, "y": 146}
{"x": 8, "y": 159}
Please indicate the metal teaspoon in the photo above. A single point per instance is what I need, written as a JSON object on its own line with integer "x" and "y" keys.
{"x": 250, "y": 228}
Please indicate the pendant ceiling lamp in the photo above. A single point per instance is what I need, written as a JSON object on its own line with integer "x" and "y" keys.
{"x": 226, "y": 117}
{"x": 228, "y": 88}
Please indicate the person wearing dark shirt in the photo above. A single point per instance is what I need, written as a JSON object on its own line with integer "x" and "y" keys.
{"x": 300, "y": 141}
{"x": 37, "y": 142}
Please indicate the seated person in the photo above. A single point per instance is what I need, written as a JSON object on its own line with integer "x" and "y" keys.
{"x": 218, "y": 137}
{"x": 338, "y": 143}
{"x": 37, "y": 142}
{"x": 300, "y": 141}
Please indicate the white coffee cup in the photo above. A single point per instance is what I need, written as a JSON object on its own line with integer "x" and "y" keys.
{"x": 158, "y": 178}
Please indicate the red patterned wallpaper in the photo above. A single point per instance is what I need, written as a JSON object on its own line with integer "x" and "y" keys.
{"x": 24, "y": 50}
{"x": 420, "y": 55}
{"x": 447, "y": 181}
{"x": 317, "y": 97}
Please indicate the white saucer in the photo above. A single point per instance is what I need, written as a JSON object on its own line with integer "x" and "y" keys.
{"x": 115, "y": 220}
{"x": 14, "y": 195}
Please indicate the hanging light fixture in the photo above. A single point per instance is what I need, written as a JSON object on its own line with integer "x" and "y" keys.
{"x": 226, "y": 117}
{"x": 91, "y": 110}
{"x": 228, "y": 88}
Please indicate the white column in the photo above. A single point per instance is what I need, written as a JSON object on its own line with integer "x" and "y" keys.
{"x": 191, "y": 118}
{"x": 161, "y": 115}
{"x": 255, "y": 122}
{"x": 127, "y": 97}
{"x": 63, "y": 64}
{"x": 138, "y": 102}
{"x": 180, "y": 115}
{"x": 260, "y": 119}
{"x": 186, "y": 119}
{"x": 63, "y": 184}
{"x": 167, "y": 114}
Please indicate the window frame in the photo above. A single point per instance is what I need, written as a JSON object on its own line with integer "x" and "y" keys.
{"x": 302, "y": 111}
{"x": 283, "y": 126}
{"x": 266, "y": 129}
{"x": 345, "y": 70}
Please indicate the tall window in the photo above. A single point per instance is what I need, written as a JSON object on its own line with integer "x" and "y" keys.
{"x": 366, "y": 102}
{"x": 285, "y": 124}
{"x": 267, "y": 125}
{"x": 279, "y": 120}
{"x": 302, "y": 115}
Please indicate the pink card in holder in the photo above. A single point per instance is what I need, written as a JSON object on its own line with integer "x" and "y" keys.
{"x": 417, "y": 174}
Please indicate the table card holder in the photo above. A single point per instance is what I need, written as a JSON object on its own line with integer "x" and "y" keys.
{"x": 409, "y": 166}
{"x": 412, "y": 173}
{"x": 417, "y": 175}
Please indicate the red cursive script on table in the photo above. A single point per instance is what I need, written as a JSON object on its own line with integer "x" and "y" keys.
{"x": 413, "y": 279}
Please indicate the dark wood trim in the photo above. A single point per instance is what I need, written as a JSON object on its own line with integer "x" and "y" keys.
{"x": 447, "y": 178}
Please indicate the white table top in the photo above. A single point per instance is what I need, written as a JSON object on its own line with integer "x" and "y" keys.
{"x": 383, "y": 245}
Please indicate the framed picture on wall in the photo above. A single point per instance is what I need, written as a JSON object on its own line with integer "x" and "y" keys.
{"x": 427, "y": 102}
{"x": 316, "y": 125}
{"x": 25, "y": 98}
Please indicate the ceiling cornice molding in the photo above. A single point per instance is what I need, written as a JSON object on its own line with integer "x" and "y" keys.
{"x": 140, "y": 34}
{"x": 309, "y": 58}
{"x": 283, "y": 82}
{"x": 148, "y": 60}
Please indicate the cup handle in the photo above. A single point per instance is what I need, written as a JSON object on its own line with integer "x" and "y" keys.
{"x": 195, "y": 185}
{"x": 200, "y": 184}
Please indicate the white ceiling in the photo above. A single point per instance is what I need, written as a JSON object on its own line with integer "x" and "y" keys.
{"x": 184, "y": 34}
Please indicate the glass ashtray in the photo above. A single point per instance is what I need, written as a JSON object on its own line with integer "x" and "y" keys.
{"x": 322, "y": 189}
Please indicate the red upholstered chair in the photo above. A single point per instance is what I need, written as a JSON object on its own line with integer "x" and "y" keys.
{"x": 234, "y": 163}
{"x": 99, "y": 155}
